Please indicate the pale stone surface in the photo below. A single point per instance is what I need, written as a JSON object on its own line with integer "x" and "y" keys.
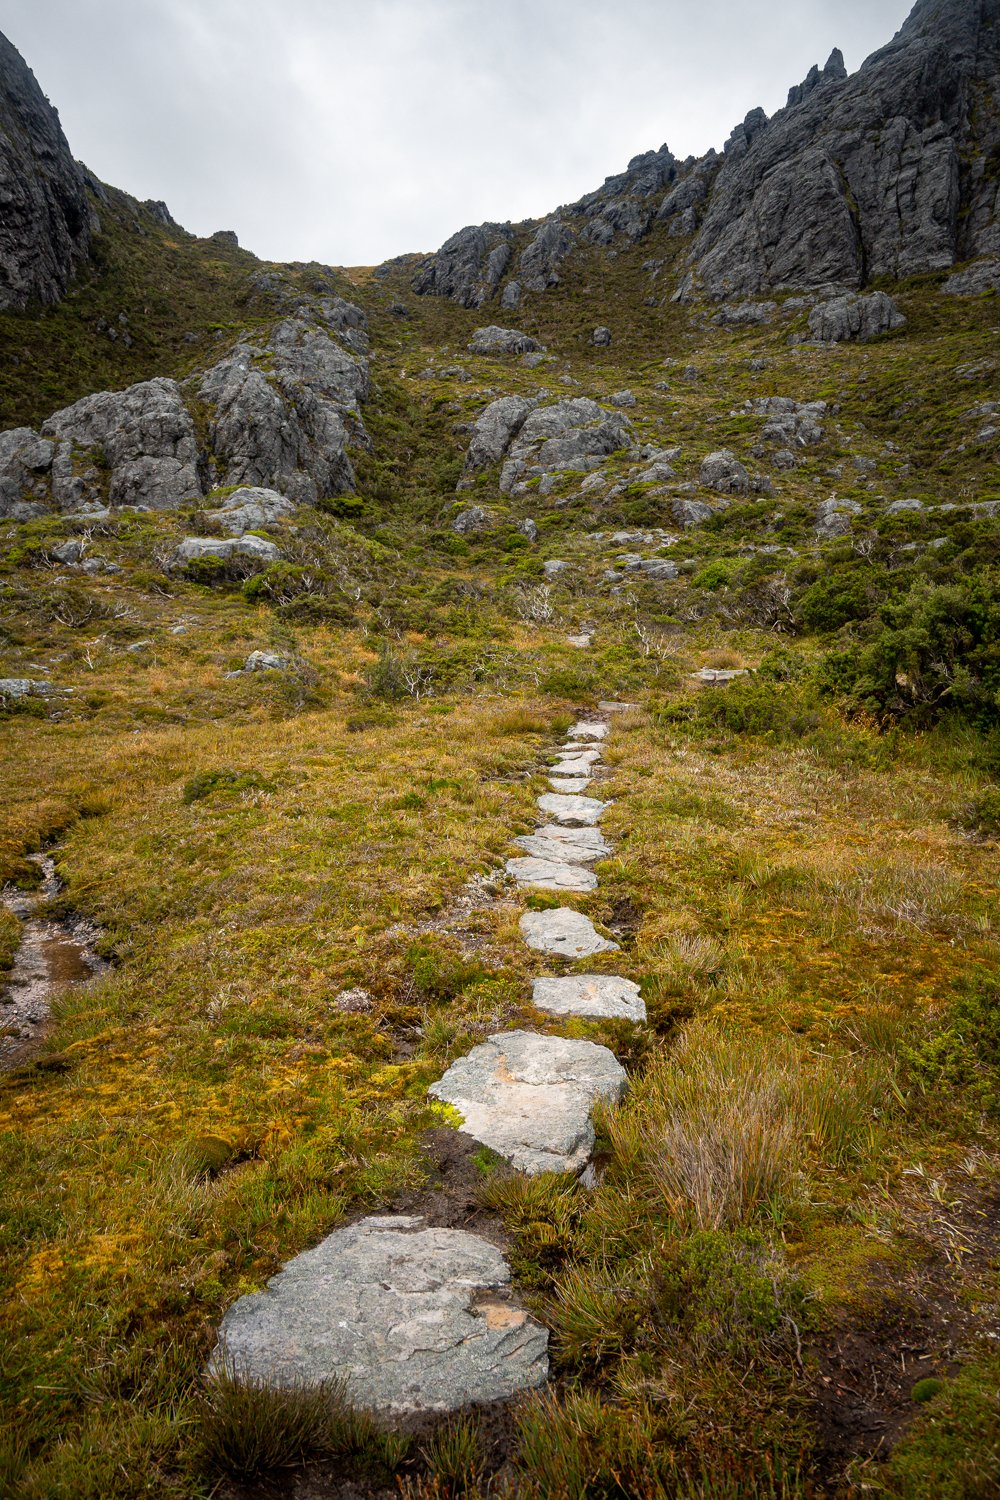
{"x": 551, "y": 875}
{"x": 590, "y": 995}
{"x": 570, "y": 786}
{"x": 529, "y": 1097}
{"x": 584, "y": 730}
{"x": 566, "y": 932}
{"x": 412, "y": 1319}
{"x": 582, "y": 810}
{"x": 578, "y": 846}
{"x": 576, "y": 765}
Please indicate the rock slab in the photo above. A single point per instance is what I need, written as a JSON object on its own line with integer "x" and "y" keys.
{"x": 529, "y": 1097}
{"x": 565, "y": 932}
{"x": 593, "y": 996}
{"x": 551, "y": 875}
{"x": 410, "y": 1318}
{"x": 578, "y": 810}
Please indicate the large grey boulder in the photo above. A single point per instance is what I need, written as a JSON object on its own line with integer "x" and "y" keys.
{"x": 469, "y": 267}
{"x": 745, "y": 314}
{"x": 249, "y": 508}
{"x": 592, "y": 996}
{"x": 140, "y": 443}
{"x": 472, "y": 521}
{"x": 848, "y": 318}
{"x": 494, "y": 340}
{"x": 723, "y": 473}
{"x": 245, "y": 549}
{"x": 575, "y": 436}
{"x": 565, "y": 933}
{"x": 861, "y": 177}
{"x": 690, "y": 513}
{"x": 46, "y": 220}
{"x": 285, "y": 410}
{"x": 409, "y": 1318}
{"x": 530, "y": 1097}
{"x": 495, "y": 430}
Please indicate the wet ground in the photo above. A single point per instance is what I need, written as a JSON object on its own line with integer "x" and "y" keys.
{"x": 54, "y": 953}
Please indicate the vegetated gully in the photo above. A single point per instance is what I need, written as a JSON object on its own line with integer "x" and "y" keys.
{"x": 54, "y": 954}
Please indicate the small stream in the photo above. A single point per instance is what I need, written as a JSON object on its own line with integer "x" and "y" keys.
{"x": 53, "y": 955}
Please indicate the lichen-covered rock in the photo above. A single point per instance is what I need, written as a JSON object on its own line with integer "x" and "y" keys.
{"x": 46, "y": 221}
{"x": 471, "y": 522}
{"x": 745, "y": 314}
{"x": 140, "y": 442}
{"x": 494, "y": 340}
{"x": 601, "y": 338}
{"x": 593, "y": 996}
{"x": 566, "y": 933}
{"x": 409, "y": 1318}
{"x": 253, "y": 550}
{"x": 847, "y": 318}
{"x": 248, "y": 508}
{"x": 689, "y": 513}
{"x": 530, "y": 1097}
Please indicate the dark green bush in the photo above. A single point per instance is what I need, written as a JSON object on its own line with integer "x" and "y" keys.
{"x": 208, "y": 783}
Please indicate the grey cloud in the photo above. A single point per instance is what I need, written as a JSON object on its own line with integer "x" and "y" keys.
{"x": 351, "y": 132}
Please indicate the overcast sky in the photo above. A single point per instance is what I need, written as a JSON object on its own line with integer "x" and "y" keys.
{"x": 348, "y": 131}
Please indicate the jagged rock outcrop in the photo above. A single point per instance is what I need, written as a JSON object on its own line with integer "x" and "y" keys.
{"x": 982, "y": 277}
{"x": 283, "y": 408}
{"x": 495, "y": 429}
{"x": 469, "y": 267}
{"x": 575, "y": 435}
{"x": 540, "y": 262}
{"x": 45, "y": 217}
{"x": 133, "y": 447}
{"x": 861, "y": 177}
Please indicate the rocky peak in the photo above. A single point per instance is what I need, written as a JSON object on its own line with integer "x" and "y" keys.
{"x": 834, "y": 72}
{"x": 46, "y": 224}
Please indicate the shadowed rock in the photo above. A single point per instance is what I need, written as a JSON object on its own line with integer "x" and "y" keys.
{"x": 410, "y": 1318}
{"x": 46, "y": 220}
{"x": 847, "y": 318}
{"x": 529, "y": 1097}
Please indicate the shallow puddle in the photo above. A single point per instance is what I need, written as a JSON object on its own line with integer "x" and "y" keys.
{"x": 53, "y": 955}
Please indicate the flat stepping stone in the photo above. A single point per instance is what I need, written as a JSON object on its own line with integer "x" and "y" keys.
{"x": 576, "y": 765}
{"x": 529, "y": 1097}
{"x": 581, "y": 642}
{"x": 586, "y": 729}
{"x": 611, "y": 707}
{"x": 412, "y": 1319}
{"x": 570, "y": 786}
{"x": 590, "y": 995}
{"x": 571, "y": 809}
{"x": 551, "y": 875}
{"x": 575, "y": 846}
{"x": 564, "y": 931}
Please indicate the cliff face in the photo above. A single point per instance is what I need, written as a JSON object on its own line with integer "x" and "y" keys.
{"x": 45, "y": 218}
{"x": 889, "y": 172}
{"x": 884, "y": 174}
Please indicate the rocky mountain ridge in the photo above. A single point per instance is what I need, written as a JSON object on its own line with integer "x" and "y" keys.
{"x": 886, "y": 173}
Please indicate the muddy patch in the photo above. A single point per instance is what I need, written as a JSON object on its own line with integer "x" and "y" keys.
{"x": 54, "y": 954}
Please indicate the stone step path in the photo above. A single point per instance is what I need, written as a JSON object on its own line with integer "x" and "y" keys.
{"x": 419, "y": 1319}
